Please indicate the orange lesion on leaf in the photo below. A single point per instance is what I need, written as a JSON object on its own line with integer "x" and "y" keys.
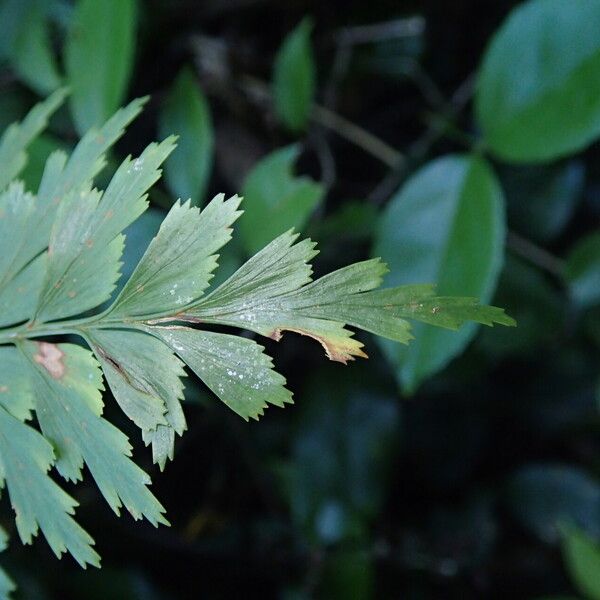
{"x": 50, "y": 356}
{"x": 341, "y": 350}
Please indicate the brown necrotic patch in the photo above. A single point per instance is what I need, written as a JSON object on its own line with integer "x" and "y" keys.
{"x": 50, "y": 356}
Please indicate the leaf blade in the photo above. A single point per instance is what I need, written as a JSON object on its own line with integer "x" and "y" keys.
{"x": 235, "y": 369}
{"x": 186, "y": 113}
{"x": 67, "y": 382}
{"x": 445, "y": 225}
{"x": 99, "y": 58}
{"x": 294, "y": 78}
{"x": 24, "y": 450}
{"x": 537, "y": 94}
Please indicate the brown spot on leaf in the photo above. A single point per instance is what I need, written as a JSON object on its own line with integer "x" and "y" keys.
{"x": 89, "y": 242}
{"x": 335, "y": 352}
{"x": 3, "y": 389}
{"x": 71, "y": 294}
{"x": 50, "y": 356}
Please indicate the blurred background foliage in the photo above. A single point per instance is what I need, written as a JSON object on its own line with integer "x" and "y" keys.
{"x": 457, "y": 141}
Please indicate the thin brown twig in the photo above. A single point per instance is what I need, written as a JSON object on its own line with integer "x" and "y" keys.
{"x": 358, "y": 136}
{"x": 376, "y": 32}
{"x": 535, "y": 254}
{"x": 259, "y": 91}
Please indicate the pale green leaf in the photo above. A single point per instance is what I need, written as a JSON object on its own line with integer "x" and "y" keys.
{"x": 445, "y": 226}
{"x": 538, "y": 94}
{"x": 18, "y": 297}
{"x": 99, "y": 58}
{"x": 144, "y": 377}
{"x": 186, "y": 113}
{"x": 17, "y": 208}
{"x": 67, "y": 383}
{"x": 582, "y": 557}
{"x": 234, "y": 368}
{"x": 18, "y": 136}
{"x": 178, "y": 264}
{"x": 60, "y": 178}
{"x": 25, "y": 457}
{"x": 275, "y": 199}
{"x": 583, "y": 270}
{"x": 294, "y": 78}
{"x": 16, "y": 391}
{"x": 86, "y": 241}
{"x": 271, "y": 293}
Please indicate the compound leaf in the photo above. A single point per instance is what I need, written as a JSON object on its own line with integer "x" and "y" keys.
{"x": 67, "y": 383}
{"x": 272, "y": 293}
{"x": 60, "y": 179}
{"x": 16, "y": 391}
{"x": 144, "y": 377}
{"x": 18, "y": 136}
{"x": 234, "y": 368}
{"x": 178, "y": 264}
{"x": 86, "y": 242}
{"x": 25, "y": 457}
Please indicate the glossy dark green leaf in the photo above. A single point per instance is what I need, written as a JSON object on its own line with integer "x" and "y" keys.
{"x": 445, "y": 226}
{"x": 187, "y": 115}
{"x": 275, "y": 199}
{"x": 342, "y": 454}
{"x": 7, "y": 585}
{"x": 294, "y": 78}
{"x": 541, "y": 200}
{"x": 33, "y": 56}
{"x": 355, "y": 221}
{"x": 529, "y": 296}
{"x": 99, "y": 56}
{"x": 348, "y": 573}
{"x": 582, "y": 557}
{"x": 583, "y": 270}
{"x": 538, "y": 94}
{"x": 543, "y": 497}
